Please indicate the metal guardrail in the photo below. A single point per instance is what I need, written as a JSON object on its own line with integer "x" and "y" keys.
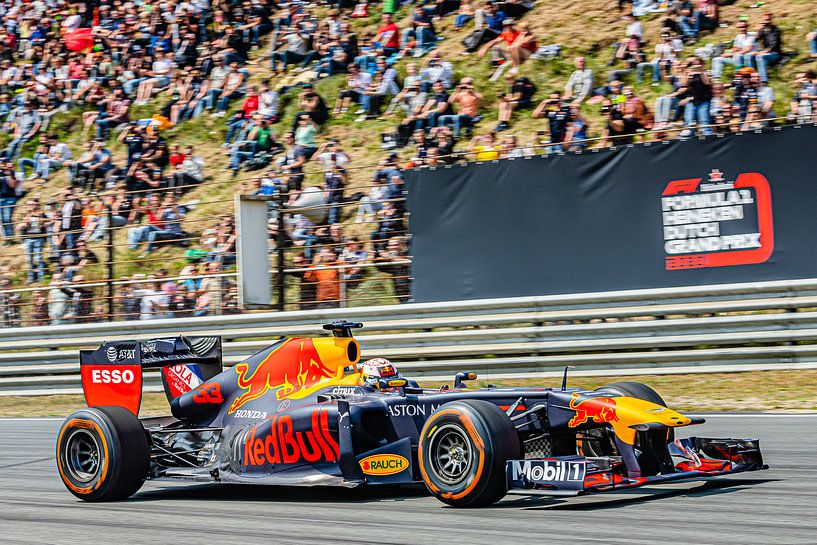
{"x": 724, "y": 327}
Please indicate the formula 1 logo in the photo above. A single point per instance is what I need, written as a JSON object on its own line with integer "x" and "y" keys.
{"x": 717, "y": 223}
{"x": 599, "y": 409}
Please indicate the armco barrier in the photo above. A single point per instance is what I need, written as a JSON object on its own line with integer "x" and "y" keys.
{"x": 725, "y": 327}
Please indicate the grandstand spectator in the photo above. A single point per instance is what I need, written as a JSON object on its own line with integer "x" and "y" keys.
{"x": 170, "y": 226}
{"x": 8, "y": 200}
{"x": 488, "y": 21}
{"x": 58, "y": 301}
{"x": 188, "y": 173}
{"x": 295, "y": 52}
{"x": 393, "y": 260}
{"x": 662, "y": 63}
{"x": 512, "y": 45}
{"x": 312, "y": 104}
{"x": 27, "y": 123}
{"x": 52, "y": 157}
{"x": 467, "y": 101}
{"x": 620, "y": 127}
{"x": 739, "y": 54}
{"x": 357, "y": 82}
{"x": 325, "y": 274}
{"x": 388, "y": 35}
{"x": 32, "y": 231}
{"x": 804, "y": 104}
{"x": 557, "y": 113}
{"x": 580, "y": 84}
{"x": 420, "y": 37}
{"x": 631, "y": 54}
{"x": 259, "y": 140}
{"x": 39, "y": 308}
{"x": 577, "y": 130}
{"x": 697, "y": 99}
{"x": 769, "y": 46}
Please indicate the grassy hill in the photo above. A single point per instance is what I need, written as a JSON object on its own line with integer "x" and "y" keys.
{"x": 581, "y": 27}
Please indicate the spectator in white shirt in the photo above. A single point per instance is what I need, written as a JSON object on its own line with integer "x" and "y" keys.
{"x": 739, "y": 54}
{"x": 663, "y": 60}
{"x": 580, "y": 84}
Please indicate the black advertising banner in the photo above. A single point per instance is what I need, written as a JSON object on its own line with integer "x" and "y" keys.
{"x": 738, "y": 208}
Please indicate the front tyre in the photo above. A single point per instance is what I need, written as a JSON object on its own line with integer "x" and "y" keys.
{"x": 103, "y": 454}
{"x": 463, "y": 449}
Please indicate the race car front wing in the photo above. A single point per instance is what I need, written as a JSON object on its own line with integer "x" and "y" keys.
{"x": 694, "y": 457}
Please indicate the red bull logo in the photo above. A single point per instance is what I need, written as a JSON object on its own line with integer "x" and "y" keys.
{"x": 291, "y": 367}
{"x": 600, "y": 409}
{"x": 277, "y": 442}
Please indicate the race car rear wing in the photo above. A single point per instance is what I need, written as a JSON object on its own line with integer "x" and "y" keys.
{"x": 112, "y": 373}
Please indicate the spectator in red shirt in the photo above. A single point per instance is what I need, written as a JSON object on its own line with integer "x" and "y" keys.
{"x": 388, "y": 36}
{"x": 237, "y": 123}
{"x": 176, "y": 156}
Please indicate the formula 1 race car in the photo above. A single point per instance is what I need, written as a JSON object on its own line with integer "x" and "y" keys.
{"x": 301, "y": 413}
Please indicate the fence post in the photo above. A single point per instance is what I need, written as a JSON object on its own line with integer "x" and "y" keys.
{"x": 279, "y": 248}
{"x": 109, "y": 212}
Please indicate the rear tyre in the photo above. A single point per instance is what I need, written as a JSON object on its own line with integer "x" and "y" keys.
{"x": 652, "y": 445}
{"x": 463, "y": 450}
{"x": 103, "y": 454}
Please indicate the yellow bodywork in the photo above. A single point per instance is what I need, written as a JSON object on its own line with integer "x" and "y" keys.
{"x": 631, "y": 411}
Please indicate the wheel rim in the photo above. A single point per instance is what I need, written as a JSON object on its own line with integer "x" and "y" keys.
{"x": 82, "y": 456}
{"x": 451, "y": 454}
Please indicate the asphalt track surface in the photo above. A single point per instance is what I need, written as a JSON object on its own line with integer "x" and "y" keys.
{"x": 778, "y": 506}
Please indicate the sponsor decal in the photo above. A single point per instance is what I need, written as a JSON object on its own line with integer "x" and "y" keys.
{"x": 181, "y": 378}
{"x": 599, "y": 409}
{"x": 112, "y": 376}
{"x": 208, "y": 393}
{"x": 289, "y": 368}
{"x": 115, "y": 354}
{"x": 250, "y": 415}
{"x": 277, "y": 442}
{"x": 284, "y": 405}
{"x": 717, "y": 223}
{"x": 111, "y": 354}
{"x": 412, "y": 410}
{"x": 117, "y": 384}
{"x": 346, "y": 391}
{"x": 383, "y": 464}
{"x": 547, "y": 471}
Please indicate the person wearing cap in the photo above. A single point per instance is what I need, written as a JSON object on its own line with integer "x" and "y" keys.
{"x": 739, "y": 54}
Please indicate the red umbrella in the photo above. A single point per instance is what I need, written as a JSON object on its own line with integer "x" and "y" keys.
{"x": 80, "y": 39}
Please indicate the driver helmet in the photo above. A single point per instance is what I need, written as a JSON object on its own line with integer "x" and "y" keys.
{"x": 378, "y": 368}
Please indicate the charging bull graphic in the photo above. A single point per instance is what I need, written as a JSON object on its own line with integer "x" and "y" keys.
{"x": 293, "y": 366}
{"x": 600, "y": 409}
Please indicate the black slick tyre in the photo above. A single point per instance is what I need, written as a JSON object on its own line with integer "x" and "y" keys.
{"x": 103, "y": 454}
{"x": 463, "y": 449}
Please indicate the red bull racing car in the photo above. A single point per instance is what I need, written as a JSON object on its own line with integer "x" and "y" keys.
{"x": 300, "y": 412}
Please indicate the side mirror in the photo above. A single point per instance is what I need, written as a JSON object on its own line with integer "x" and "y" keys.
{"x": 461, "y": 377}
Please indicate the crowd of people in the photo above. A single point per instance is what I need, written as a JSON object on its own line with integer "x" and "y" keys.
{"x": 245, "y": 61}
